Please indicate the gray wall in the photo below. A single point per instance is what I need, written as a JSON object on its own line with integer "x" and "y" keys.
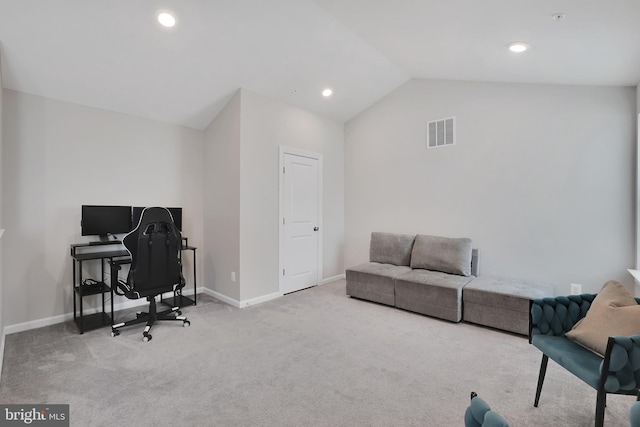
{"x": 542, "y": 176}
{"x": 242, "y": 193}
{"x": 58, "y": 156}
{"x": 267, "y": 125}
{"x": 222, "y": 201}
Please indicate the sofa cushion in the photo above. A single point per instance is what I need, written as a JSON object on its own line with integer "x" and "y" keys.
{"x": 614, "y": 311}
{"x": 391, "y": 248}
{"x": 432, "y": 293}
{"x": 449, "y": 255}
{"x": 374, "y": 281}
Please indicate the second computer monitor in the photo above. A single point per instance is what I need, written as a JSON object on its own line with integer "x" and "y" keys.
{"x": 176, "y": 213}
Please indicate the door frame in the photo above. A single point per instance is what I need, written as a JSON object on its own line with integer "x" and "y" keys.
{"x": 302, "y": 153}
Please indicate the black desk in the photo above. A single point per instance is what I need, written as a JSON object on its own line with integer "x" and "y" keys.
{"x": 115, "y": 256}
{"x": 103, "y": 251}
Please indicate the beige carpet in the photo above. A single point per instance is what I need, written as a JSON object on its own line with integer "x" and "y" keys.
{"x": 312, "y": 358}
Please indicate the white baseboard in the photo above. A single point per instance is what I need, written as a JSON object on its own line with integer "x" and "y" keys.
{"x": 333, "y": 279}
{"x": 242, "y": 304}
{"x": 258, "y": 300}
{"x": 39, "y": 323}
{"x": 223, "y": 298}
{"x": 47, "y": 321}
{"x": 263, "y": 298}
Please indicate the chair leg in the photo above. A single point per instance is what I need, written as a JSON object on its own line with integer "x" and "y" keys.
{"x": 150, "y": 318}
{"x": 543, "y": 371}
{"x": 173, "y": 313}
{"x": 601, "y": 402}
{"x": 146, "y": 336}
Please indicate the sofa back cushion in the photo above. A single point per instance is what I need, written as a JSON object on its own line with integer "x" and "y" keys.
{"x": 391, "y": 248}
{"x": 446, "y": 254}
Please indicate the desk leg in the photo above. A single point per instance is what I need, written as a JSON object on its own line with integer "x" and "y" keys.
{"x": 112, "y": 321}
{"x": 80, "y": 294}
{"x": 102, "y": 271}
{"x": 73, "y": 290}
{"x": 114, "y": 283}
{"x": 195, "y": 284}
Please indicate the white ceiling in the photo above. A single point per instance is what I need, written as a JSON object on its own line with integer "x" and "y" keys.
{"x": 113, "y": 55}
{"x": 597, "y": 43}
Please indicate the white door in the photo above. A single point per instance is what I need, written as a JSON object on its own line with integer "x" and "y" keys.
{"x": 300, "y": 225}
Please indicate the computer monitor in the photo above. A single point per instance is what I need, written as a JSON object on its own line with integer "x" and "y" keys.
{"x": 105, "y": 220}
{"x": 176, "y": 213}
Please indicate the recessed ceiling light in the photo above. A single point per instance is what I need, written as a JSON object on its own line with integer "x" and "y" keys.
{"x": 327, "y": 92}
{"x": 166, "y": 19}
{"x": 518, "y": 47}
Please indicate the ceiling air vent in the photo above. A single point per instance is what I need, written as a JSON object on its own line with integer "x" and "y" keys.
{"x": 441, "y": 133}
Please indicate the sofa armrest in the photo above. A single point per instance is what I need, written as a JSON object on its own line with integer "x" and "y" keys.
{"x": 556, "y": 316}
{"x": 475, "y": 262}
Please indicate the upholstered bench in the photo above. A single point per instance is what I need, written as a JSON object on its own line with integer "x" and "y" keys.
{"x": 501, "y": 302}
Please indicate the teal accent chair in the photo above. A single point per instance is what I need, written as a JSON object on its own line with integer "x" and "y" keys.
{"x": 479, "y": 414}
{"x": 617, "y": 373}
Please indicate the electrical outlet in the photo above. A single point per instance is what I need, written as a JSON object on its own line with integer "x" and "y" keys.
{"x": 233, "y": 276}
{"x": 576, "y": 289}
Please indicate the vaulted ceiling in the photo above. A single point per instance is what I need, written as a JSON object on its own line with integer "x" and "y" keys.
{"x": 114, "y": 55}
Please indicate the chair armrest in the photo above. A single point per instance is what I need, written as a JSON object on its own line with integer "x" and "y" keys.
{"x": 557, "y": 315}
{"x": 620, "y": 368}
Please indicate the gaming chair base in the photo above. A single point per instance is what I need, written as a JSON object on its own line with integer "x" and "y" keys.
{"x": 173, "y": 314}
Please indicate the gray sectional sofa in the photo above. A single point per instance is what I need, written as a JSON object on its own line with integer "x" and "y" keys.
{"x": 436, "y": 276}
{"x": 422, "y": 273}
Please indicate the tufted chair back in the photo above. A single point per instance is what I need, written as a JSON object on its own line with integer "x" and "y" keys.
{"x": 555, "y": 316}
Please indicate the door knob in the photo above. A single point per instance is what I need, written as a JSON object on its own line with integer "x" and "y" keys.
{"x": 315, "y": 229}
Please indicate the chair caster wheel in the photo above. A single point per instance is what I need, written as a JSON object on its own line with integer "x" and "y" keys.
{"x": 115, "y": 332}
{"x": 186, "y": 323}
{"x": 146, "y": 337}
{"x": 178, "y": 313}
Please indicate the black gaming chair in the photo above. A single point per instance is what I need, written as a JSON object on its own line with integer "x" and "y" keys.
{"x": 154, "y": 246}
